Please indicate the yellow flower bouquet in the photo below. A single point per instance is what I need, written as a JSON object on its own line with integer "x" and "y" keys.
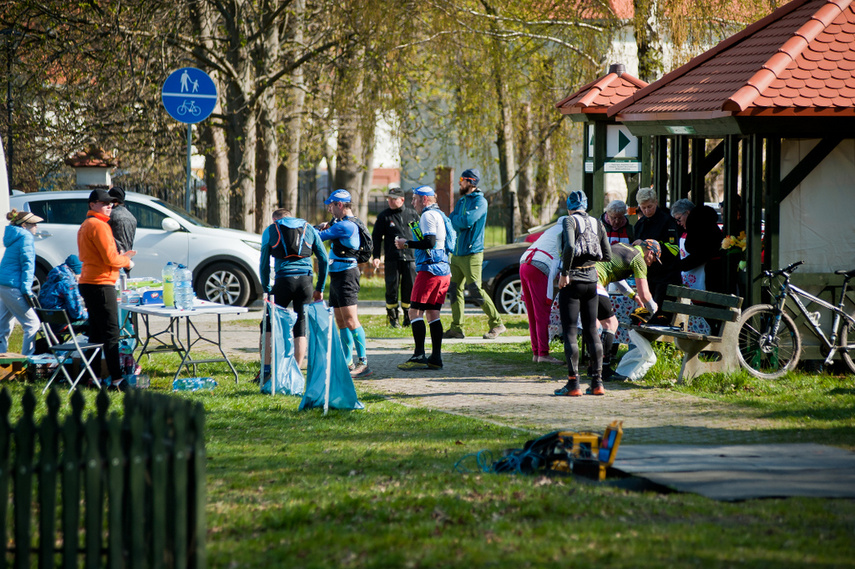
{"x": 736, "y": 245}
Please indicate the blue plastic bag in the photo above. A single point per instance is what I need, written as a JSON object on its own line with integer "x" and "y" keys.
{"x": 284, "y": 369}
{"x": 329, "y": 383}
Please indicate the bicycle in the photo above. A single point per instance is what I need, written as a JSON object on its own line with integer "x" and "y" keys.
{"x": 191, "y": 108}
{"x": 768, "y": 340}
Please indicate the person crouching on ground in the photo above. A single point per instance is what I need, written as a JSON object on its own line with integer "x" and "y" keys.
{"x": 433, "y": 275}
{"x": 578, "y": 291}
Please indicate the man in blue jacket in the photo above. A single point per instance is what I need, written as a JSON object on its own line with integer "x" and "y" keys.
{"x": 469, "y": 218}
{"x": 293, "y": 275}
{"x": 344, "y": 279}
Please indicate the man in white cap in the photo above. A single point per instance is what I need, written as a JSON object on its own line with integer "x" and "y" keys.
{"x": 399, "y": 268}
{"x": 433, "y": 275}
{"x": 343, "y": 233}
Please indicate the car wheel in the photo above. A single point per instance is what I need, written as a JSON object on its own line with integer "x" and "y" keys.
{"x": 508, "y": 296}
{"x": 39, "y": 276}
{"x": 224, "y": 283}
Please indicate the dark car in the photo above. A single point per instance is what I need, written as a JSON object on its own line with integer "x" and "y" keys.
{"x": 500, "y": 277}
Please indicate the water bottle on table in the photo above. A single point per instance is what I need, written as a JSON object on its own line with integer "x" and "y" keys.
{"x": 168, "y": 275}
{"x": 184, "y": 288}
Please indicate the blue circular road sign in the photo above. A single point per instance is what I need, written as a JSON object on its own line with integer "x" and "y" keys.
{"x": 189, "y": 95}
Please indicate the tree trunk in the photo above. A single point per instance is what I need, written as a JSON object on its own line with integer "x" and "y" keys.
{"x": 367, "y": 174}
{"x": 648, "y": 40}
{"x": 526, "y": 189}
{"x": 547, "y": 196}
{"x": 268, "y": 155}
{"x": 296, "y": 97}
{"x": 348, "y": 161}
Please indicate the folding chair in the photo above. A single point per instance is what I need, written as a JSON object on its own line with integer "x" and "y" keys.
{"x": 64, "y": 351}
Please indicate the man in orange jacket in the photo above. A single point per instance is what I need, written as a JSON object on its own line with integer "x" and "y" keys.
{"x": 101, "y": 264}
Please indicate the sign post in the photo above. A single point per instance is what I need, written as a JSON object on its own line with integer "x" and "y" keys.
{"x": 189, "y": 95}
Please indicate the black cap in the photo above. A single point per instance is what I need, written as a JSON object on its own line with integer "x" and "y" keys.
{"x": 118, "y": 193}
{"x": 101, "y": 195}
{"x": 395, "y": 193}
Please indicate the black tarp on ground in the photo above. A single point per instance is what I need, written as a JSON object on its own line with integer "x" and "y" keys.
{"x": 742, "y": 472}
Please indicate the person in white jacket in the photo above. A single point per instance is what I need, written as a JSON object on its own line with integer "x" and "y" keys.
{"x": 538, "y": 269}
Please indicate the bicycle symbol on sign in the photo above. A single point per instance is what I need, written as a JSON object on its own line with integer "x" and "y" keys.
{"x": 191, "y": 108}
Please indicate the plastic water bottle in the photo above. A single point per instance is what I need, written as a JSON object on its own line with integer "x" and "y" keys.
{"x": 193, "y": 383}
{"x": 184, "y": 288}
{"x": 168, "y": 284}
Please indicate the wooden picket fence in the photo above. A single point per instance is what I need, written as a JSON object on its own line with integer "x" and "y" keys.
{"x": 103, "y": 491}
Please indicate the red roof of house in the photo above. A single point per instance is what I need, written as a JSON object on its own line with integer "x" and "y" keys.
{"x": 798, "y": 61}
{"x": 597, "y": 96}
{"x": 93, "y": 157}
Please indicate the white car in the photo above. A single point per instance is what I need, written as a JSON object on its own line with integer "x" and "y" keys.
{"x": 224, "y": 261}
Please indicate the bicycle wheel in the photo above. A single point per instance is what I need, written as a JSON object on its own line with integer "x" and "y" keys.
{"x": 847, "y": 331}
{"x": 761, "y": 354}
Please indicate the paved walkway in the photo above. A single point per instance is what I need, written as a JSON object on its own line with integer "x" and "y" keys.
{"x": 476, "y": 387}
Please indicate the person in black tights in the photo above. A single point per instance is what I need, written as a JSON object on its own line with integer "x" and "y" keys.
{"x": 578, "y": 293}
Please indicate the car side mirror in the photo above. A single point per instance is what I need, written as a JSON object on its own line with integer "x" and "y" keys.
{"x": 169, "y": 224}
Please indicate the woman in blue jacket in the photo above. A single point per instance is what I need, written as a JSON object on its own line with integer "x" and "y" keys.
{"x": 16, "y": 279}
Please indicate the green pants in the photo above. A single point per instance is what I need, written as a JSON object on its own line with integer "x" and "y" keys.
{"x": 467, "y": 269}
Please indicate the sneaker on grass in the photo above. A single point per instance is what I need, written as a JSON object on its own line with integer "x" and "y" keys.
{"x": 494, "y": 332}
{"x": 361, "y": 370}
{"x": 415, "y": 362}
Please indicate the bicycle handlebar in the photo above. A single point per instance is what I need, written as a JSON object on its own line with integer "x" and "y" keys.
{"x": 787, "y": 271}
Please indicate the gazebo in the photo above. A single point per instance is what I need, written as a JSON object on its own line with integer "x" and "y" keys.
{"x": 780, "y": 99}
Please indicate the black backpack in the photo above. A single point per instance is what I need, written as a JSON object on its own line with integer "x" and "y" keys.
{"x": 366, "y": 244}
{"x": 291, "y": 243}
{"x": 587, "y": 238}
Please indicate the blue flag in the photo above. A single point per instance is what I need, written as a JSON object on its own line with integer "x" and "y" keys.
{"x": 284, "y": 370}
{"x": 329, "y": 383}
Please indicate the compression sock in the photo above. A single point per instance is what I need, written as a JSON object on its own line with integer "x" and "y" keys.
{"x": 346, "y": 344}
{"x": 359, "y": 337}
{"x": 436, "y": 340}
{"x": 419, "y": 334}
{"x": 608, "y": 341}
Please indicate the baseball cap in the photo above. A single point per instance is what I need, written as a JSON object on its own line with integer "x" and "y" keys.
{"x": 101, "y": 195}
{"x": 342, "y": 196}
{"x": 653, "y": 245}
{"x": 118, "y": 193}
{"x": 424, "y": 191}
{"x": 395, "y": 193}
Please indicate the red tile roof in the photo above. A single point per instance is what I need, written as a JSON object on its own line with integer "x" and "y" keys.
{"x": 798, "y": 61}
{"x": 597, "y": 96}
{"x": 93, "y": 157}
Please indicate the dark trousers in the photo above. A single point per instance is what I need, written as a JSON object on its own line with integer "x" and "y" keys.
{"x": 575, "y": 299}
{"x": 401, "y": 273}
{"x": 103, "y": 325}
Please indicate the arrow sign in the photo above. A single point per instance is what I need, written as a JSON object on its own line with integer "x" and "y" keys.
{"x": 620, "y": 143}
{"x": 189, "y": 95}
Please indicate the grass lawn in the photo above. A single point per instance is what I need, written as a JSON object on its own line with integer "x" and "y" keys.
{"x": 377, "y": 488}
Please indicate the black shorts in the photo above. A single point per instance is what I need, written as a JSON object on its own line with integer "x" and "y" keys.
{"x": 344, "y": 288}
{"x": 604, "y": 308}
{"x": 296, "y": 291}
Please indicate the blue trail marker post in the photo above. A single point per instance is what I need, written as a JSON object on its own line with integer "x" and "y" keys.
{"x": 189, "y": 95}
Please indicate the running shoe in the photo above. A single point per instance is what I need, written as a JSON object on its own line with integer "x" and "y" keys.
{"x": 415, "y": 362}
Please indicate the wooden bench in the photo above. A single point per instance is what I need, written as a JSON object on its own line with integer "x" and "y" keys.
{"x": 721, "y": 311}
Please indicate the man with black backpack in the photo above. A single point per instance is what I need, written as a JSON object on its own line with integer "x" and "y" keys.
{"x": 585, "y": 242}
{"x": 433, "y": 240}
{"x": 291, "y": 242}
{"x": 350, "y": 245}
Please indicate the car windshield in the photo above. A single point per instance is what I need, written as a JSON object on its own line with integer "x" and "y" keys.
{"x": 182, "y": 214}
